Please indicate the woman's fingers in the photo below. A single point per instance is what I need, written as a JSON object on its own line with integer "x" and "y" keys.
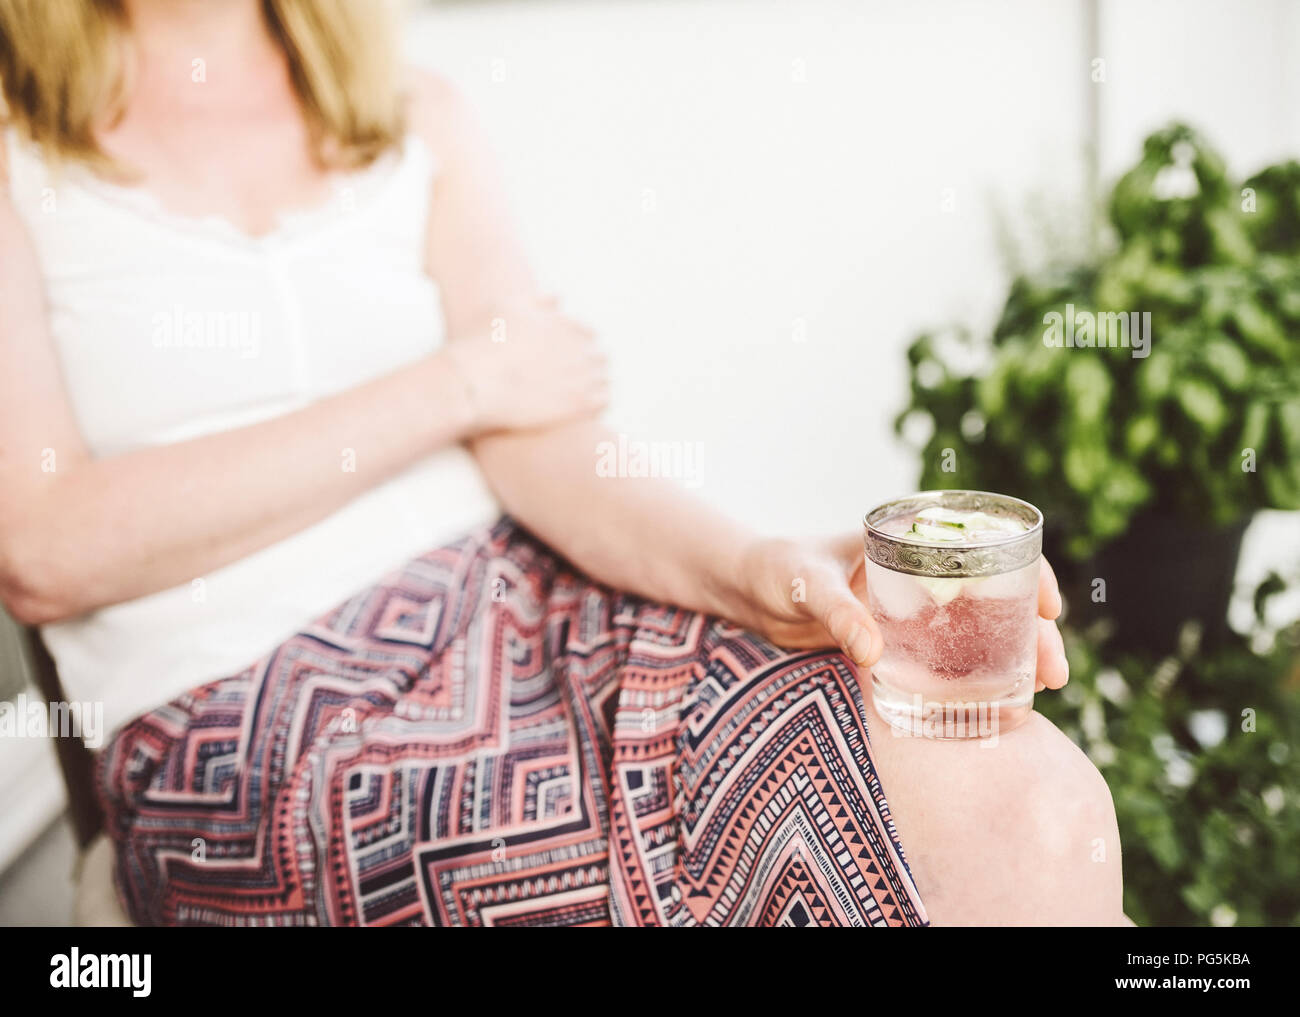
{"x": 847, "y": 546}
{"x": 1049, "y": 594}
{"x": 840, "y": 609}
{"x": 1053, "y": 669}
{"x": 846, "y": 620}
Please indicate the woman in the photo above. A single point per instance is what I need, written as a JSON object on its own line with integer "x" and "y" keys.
{"x": 274, "y": 367}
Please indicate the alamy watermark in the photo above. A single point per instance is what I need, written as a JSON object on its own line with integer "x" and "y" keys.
{"x": 949, "y": 719}
{"x": 631, "y": 457}
{"x": 36, "y": 718}
{"x": 75, "y": 970}
{"x": 181, "y": 328}
{"x": 1127, "y": 330}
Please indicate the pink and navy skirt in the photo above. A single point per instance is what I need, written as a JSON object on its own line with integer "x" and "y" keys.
{"x": 488, "y": 737}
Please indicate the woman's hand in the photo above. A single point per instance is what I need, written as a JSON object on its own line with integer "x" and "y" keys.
{"x": 810, "y": 594}
{"x": 531, "y": 368}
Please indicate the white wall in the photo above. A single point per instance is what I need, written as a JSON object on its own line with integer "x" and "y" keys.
{"x": 706, "y": 180}
{"x": 797, "y": 157}
{"x": 1228, "y": 68}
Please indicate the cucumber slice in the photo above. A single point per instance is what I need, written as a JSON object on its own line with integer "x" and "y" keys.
{"x": 940, "y": 516}
{"x": 968, "y": 523}
{"x": 934, "y": 534}
{"x": 998, "y": 524}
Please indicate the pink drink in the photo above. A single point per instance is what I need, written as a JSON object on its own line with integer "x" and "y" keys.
{"x": 952, "y": 579}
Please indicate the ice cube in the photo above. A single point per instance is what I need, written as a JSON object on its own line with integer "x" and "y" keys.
{"x": 897, "y": 594}
{"x": 1021, "y": 582}
{"x": 943, "y": 591}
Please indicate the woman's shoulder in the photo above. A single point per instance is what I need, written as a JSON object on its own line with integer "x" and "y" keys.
{"x": 437, "y": 112}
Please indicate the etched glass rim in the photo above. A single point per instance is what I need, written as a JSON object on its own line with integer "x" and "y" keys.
{"x": 956, "y": 559}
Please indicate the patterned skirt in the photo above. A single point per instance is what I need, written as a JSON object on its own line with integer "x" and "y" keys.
{"x": 488, "y": 737}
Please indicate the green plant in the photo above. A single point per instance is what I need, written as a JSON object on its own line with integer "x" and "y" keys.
{"x": 1201, "y": 748}
{"x": 1205, "y": 426}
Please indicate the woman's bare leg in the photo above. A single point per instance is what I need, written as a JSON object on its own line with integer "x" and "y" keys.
{"x": 1019, "y": 830}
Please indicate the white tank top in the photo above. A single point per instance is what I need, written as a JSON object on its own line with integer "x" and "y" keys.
{"x": 171, "y": 327}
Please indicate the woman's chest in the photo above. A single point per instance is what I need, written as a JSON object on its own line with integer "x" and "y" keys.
{"x": 247, "y": 170}
{"x": 153, "y": 355}
{"x": 170, "y": 326}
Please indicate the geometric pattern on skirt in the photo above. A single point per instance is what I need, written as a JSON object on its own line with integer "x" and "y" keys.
{"x": 487, "y": 737}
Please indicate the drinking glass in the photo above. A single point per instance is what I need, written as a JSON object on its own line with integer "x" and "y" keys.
{"x": 959, "y": 615}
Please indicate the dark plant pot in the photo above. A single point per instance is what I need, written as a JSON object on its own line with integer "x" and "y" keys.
{"x": 1162, "y": 573}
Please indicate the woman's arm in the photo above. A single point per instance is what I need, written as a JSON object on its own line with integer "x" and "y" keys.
{"x": 643, "y": 535}
{"x": 77, "y": 533}
{"x": 636, "y": 534}
{"x": 639, "y": 535}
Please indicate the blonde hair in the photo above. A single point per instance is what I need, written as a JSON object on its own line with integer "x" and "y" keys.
{"x": 64, "y": 74}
